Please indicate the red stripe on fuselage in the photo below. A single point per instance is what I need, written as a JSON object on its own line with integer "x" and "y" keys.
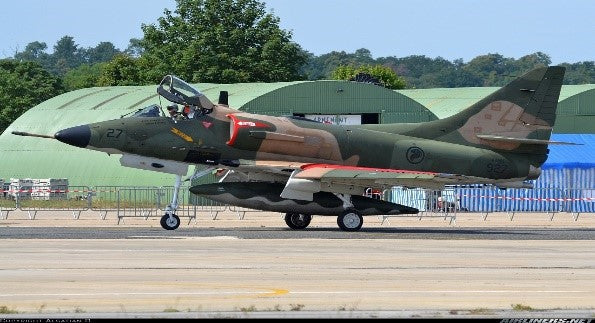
{"x": 236, "y": 128}
{"x": 368, "y": 169}
{"x": 238, "y": 124}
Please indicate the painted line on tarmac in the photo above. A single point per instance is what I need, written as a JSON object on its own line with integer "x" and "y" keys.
{"x": 443, "y": 291}
{"x": 274, "y": 292}
{"x": 279, "y": 292}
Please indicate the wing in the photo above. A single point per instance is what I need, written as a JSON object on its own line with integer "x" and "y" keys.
{"x": 302, "y": 180}
{"x": 354, "y": 180}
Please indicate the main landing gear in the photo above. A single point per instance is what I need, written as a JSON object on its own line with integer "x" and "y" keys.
{"x": 297, "y": 221}
{"x": 349, "y": 220}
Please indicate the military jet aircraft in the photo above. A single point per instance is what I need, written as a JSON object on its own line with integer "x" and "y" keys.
{"x": 301, "y": 167}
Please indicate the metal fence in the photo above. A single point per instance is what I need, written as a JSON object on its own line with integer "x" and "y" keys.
{"x": 104, "y": 199}
{"x": 489, "y": 199}
{"x": 579, "y": 201}
{"x": 137, "y": 202}
{"x": 145, "y": 202}
{"x": 430, "y": 203}
{"x": 73, "y": 199}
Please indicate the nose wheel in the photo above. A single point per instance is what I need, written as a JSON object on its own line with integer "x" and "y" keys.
{"x": 170, "y": 222}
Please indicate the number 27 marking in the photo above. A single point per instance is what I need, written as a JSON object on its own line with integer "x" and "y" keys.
{"x": 113, "y": 133}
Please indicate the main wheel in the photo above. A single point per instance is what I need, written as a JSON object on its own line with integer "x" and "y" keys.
{"x": 350, "y": 220}
{"x": 297, "y": 221}
{"x": 170, "y": 223}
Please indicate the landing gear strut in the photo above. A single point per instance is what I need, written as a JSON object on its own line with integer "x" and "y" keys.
{"x": 297, "y": 221}
{"x": 170, "y": 221}
{"x": 350, "y": 220}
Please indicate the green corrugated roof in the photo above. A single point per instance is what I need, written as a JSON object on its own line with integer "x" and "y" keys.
{"x": 445, "y": 102}
{"x": 339, "y": 97}
{"x": 572, "y": 90}
{"x": 241, "y": 93}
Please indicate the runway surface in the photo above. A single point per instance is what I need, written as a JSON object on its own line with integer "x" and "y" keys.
{"x": 253, "y": 269}
{"x": 445, "y": 233}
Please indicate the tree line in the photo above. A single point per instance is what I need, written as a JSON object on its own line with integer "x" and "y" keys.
{"x": 230, "y": 42}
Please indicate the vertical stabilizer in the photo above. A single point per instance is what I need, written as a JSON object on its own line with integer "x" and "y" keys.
{"x": 518, "y": 118}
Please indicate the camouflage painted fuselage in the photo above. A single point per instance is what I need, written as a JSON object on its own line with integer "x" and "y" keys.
{"x": 503, "y": 137}
{"x": 227, "y": 136}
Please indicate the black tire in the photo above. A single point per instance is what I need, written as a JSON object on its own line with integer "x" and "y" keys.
{"x": 168, "y": 224}
{"x": 350, "y": 220}
{"x": 297, "y": 221}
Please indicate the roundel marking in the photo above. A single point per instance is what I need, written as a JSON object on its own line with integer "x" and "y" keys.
{"x": 415, "y": 155}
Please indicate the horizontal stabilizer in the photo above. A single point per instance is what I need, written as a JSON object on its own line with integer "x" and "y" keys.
{"x": 524, "y": 140}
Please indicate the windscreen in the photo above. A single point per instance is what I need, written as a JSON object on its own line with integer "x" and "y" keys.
{"x": 177, "y": 91}
{"x": 151, "y": 111}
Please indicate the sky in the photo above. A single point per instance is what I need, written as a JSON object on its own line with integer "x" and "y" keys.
{"x": 451, "y": 29}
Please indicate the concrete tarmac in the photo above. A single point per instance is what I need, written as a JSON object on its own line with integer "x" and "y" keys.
{"x": 160, "y": 274}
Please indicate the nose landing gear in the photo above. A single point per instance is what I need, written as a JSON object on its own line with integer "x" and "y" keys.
{"x": 170, "y": 221}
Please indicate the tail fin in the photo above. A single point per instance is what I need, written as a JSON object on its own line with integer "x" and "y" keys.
{"x": 518, "y": 118}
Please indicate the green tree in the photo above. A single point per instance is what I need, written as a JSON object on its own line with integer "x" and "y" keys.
{"x": 221, "y": 41}
{"x": 67, "y": 55}
{"x": 34, "y": 51}
{"x": 579, "y": 73}
{"x": 103, "y": 52}
{"x": 122, "y": 70}
{"x": 420, "y": 71}
{"x": 494, "y": 69}
{"x": 529, "y": 62}
{"x": 83, "y": 76}
{"x": 135, "y": 48}
{"x": 385, "y": 75}
{"x": 322, "y": 67}
{"x": 22, "y": 86}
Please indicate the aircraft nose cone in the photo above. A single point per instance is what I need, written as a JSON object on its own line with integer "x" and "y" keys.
{"x": 78, "y": 136}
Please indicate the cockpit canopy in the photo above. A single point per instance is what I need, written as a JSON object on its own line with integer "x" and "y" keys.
{"x": 177, "y": 91}
{"x": 151, "y": 111}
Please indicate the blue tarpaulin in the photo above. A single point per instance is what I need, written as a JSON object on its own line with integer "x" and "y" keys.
{"x": 572, "y": 156}
{"x": 567, "y": 183}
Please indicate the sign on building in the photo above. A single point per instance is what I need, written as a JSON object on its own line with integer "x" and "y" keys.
{"x": 340, "y": 119}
